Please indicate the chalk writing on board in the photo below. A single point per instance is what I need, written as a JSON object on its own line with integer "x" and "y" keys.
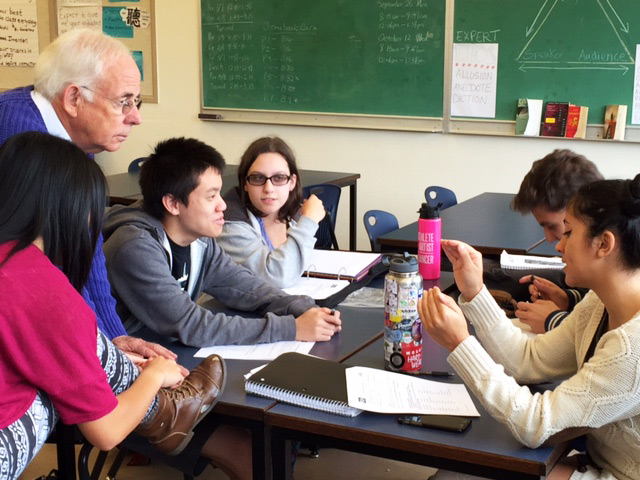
{"x": 18, "y": 34}
{"x": 537, "y": 54}
{"x": 381, "y": 57}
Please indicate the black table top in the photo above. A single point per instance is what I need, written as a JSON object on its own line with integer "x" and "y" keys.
{"x": 484, "y": 445}
{"x": 485, "y": 222}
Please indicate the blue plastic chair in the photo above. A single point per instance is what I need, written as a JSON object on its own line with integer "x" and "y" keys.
{"x": 134, "y": 166}
{"x": 330, "y": 196}
{"x": 435, "y": 195}
{"x": 378, "y": 222}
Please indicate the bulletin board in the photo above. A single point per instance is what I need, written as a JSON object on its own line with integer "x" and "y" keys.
{"x": 28, "y": 26}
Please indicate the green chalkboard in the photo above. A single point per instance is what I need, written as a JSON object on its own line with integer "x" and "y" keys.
{"x": 579, "y": 51}
{"x": 372, "y": 57}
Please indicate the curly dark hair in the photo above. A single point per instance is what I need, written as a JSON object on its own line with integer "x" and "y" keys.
{"x": 553, "y": 180}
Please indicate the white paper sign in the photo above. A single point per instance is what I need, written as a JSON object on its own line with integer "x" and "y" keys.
{"x": 375, "y": 390}
{"x": 79, "y": 17}
{"x": 474, "y": 80}
{"x": 18, "y": 33}
{"x": 635, "y": 113}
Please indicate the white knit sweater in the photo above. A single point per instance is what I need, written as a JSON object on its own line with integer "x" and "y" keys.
{"x": 603, "y": 393}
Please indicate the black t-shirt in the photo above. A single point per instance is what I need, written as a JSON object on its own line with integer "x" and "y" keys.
{"x": 181, "y": 263}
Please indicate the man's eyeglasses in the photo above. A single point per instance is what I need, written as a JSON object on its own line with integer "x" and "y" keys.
{"x": 125, "y": 105}
{"x": 257, "y": 179}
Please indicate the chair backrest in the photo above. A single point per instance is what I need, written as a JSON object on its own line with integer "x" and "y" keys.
{"x": 134, "y": 166}
{"x": 379, "y": 222}
{"x": 434, "y": 195}
{"x": 330, "y": 196}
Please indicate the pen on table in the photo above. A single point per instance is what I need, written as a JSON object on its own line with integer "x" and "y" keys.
{"x": 437, "y": 373}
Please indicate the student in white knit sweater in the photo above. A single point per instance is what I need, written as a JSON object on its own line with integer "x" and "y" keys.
{"x": 596, "y": 350}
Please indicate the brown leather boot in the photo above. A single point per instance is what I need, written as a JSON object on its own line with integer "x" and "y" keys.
{"x": 181, "y": 409}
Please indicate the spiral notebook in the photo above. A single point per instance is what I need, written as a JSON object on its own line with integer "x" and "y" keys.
{"x": 528, "y": 262}
{"x": 305, "y": 381}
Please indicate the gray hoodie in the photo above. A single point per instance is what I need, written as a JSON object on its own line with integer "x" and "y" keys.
{"x": 139, "y": 267}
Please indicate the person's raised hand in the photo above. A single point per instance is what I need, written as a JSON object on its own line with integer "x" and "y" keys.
{"x": 442, "y": 319}
{"x": 313, "y": 208}
{"x": 318, "y": 324}
{"x": 467, "y": 267}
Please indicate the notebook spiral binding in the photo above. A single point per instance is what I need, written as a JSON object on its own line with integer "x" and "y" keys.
{"x": 301, "y": 400}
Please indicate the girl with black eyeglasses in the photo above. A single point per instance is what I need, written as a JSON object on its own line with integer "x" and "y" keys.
{"x": 268, "y": 228}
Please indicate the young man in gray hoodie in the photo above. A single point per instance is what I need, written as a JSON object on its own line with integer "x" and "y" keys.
{"x": 161, "y": 255}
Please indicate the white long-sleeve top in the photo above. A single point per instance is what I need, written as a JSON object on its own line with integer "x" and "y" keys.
{"x": 603, "y": 393}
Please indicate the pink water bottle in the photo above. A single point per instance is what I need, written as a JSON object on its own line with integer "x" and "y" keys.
{"x": 429, "y": 235}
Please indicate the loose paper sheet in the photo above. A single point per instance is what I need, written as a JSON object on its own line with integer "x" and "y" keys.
{"x": 379, "y": 391}
{"x": 261, "y": 351}
{"x": 474, "y": 79}
{"x": 317, "y": 288}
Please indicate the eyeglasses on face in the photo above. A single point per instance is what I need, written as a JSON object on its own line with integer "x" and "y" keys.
{"x": 125, "y": 105}
{"x": 257, "y": 179}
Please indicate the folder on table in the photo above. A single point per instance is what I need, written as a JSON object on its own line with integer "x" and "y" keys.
{"x": 305, "y": 381}
{"x": 341, "y": 265}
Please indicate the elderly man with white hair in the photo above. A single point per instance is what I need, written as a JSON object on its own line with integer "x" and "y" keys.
{"x": 86, "y": 90}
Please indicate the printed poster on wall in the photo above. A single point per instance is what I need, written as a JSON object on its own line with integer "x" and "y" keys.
{"x": 474, "y": 80}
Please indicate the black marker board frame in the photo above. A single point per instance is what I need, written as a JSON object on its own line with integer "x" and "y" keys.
{"x": 349, "y": 63}
{"x": 580, "y": 51}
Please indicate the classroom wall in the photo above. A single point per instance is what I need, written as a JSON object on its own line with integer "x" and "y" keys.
{"x": 395, "y": 167}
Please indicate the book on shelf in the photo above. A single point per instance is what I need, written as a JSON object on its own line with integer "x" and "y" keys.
{"x": 615, "y": 122}
{"x": 305, "y": 381}
{"x": 573, "y": 117}
{"x": 555, "y": 119}
{"x": 341, "y": 265}
{"x": 581, "y": 130}
{"x": 528, "y": 116}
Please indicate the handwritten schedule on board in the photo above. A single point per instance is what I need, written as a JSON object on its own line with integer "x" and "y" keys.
{"x": 384, "y": 57}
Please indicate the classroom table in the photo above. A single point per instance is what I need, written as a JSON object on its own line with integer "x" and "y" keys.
{"x": 360, "y": 327}
{"x": 486, "y": 448}
{"x": 124, "y": 189}
{"x": 485, "y": 222}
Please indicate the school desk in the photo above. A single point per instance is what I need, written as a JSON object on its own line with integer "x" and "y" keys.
{"x": 485, "y": 222}
{"x": 486, "y": 448}
{"x": 360, "y": 328}
{"x": 124, "y": 189}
